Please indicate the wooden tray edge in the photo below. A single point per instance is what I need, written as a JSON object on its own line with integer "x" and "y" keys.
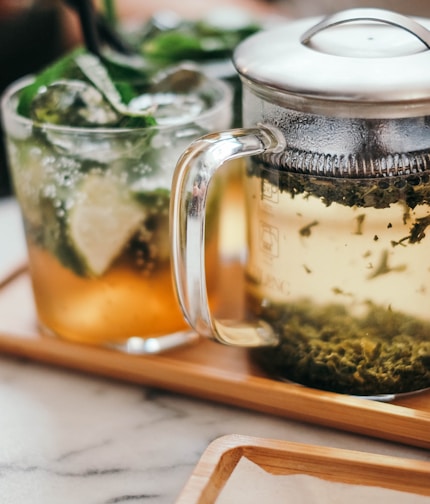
{"x": 208, "y": 371}
{"x": 381, "y": 420}
{"x": 284, "y": 457}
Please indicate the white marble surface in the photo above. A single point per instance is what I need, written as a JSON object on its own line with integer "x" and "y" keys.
{"x": 12, "y": 242}
{"x": 71, "y": 438}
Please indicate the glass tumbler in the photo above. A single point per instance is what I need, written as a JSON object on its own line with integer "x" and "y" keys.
{"x": 95, "y": 208}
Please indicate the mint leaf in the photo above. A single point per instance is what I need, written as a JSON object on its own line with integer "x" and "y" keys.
{"x": 81, "y": 65}
{"x": 63, "y": 68}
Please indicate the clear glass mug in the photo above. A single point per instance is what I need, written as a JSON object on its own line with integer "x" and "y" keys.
{"x": 95, "y": 207}
{"x": 336, "y": 269}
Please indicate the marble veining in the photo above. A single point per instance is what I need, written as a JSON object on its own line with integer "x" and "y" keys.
{"x": 71, "y": 438}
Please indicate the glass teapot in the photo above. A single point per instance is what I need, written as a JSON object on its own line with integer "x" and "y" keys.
{"x": 336, "y": 116}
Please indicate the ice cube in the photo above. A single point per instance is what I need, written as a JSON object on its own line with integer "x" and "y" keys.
{"x": 182, "y": 78}
{"x": 170, "y": 108}
{"x": 72, "y": 103}
{"x": 80, "y": 105}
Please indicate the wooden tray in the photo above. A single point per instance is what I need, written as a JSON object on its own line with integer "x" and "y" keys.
{"x": 212, "y": 371}
{"x": 282, "y": 458}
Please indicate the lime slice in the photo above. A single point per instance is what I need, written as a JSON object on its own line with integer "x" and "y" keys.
{"x": 102, "y": 221}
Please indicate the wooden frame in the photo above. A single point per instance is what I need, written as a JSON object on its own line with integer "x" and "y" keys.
{"x": 283, "y": 457}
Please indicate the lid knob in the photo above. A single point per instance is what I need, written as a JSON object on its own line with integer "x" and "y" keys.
{"x": 372, "y": 14}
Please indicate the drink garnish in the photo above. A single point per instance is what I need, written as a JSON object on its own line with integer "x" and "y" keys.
{"x": 96, "y": 73}
{"x": 102, "y": 221}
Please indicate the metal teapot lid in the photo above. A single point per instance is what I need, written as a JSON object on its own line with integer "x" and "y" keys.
{"x": 368, "y": 63}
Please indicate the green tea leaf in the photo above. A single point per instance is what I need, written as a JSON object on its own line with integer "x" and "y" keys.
{"x": 196, "y": 41}
{"x": 173, "y": 46}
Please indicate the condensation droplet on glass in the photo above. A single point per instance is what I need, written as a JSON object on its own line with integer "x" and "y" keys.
{"x": 49, "y": 191}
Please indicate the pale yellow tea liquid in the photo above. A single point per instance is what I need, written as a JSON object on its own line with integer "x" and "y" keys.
{"x": 345, "y": 286}
{"x": 122, "y": 303}
{"x": 299, "y": 247}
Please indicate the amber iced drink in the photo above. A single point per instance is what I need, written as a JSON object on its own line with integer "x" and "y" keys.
{"x": 93, "y": 184}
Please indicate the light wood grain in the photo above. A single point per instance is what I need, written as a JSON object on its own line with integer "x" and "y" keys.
{"x": 215, "y": 372}
{"x": 283, "y": 457}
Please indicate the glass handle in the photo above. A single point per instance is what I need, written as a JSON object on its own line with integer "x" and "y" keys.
{"x": 191, "y": 181}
